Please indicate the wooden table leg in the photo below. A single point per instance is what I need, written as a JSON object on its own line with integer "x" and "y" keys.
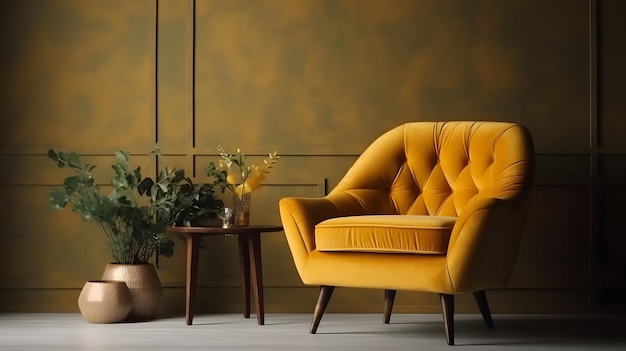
{"x": 254, "y": 241}
{"x": 244, "y": 260}
{"x": 193, "y": 248}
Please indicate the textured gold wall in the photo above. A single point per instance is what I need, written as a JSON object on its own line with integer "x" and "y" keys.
{"x": 316, "y": 80}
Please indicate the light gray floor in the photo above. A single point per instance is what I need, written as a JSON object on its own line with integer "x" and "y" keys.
{"x": 360, "y": 332}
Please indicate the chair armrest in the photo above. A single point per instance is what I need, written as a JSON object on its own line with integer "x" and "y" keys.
{"x": 484, "y": 243}
{"x": 300, "y": 215}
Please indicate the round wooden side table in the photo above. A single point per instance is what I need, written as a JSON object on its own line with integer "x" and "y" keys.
{"x": 249, "y": 256}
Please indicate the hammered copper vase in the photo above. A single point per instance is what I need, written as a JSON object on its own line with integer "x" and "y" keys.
{"x": 104, "y": 301}
{"x": 144, "y": 285}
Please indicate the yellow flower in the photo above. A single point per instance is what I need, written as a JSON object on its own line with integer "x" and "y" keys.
{"x": 253, "y": 181}
{"x": 231, "y": 179}
{"x": 242, "y": 179}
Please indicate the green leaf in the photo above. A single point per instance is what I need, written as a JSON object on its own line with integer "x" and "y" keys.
{"x": 73, "y": 160}
{"x": 157, "y": 150}
{"x": 166, "y": 248}
{"x": 144, "y": 186}
{"x": 138, "y": 173}
{"x": 58, "y": 198}
{"x": 123, "y": 161}
{"x": 179, "y": 175}
{"x": 53, "y": 155}
{"x": 74, "y": 183}
{"x": 122, "y": 156}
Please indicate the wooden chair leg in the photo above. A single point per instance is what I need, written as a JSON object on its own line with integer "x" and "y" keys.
{"x": 322, "y": 301}
{"x": 390, "y": 296}
{"x": 483, "y": 305}
{"x": 447, "y": 306}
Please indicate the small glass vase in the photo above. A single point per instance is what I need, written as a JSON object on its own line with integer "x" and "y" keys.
{"x": 241, "y": 207}
{"x": 226, "y": 216}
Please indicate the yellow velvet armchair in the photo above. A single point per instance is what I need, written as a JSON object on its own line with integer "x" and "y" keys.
{"x": 429, "y": 206}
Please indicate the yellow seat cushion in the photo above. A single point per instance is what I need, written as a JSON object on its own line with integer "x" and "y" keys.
{"x": 385, "y": 233}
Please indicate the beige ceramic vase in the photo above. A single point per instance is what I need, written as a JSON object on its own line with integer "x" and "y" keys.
{"x": 144, "y": 285}
{"x": 103, "y": 301}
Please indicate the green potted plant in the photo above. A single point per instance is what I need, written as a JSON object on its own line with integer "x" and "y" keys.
{"x": 134, "y": 215}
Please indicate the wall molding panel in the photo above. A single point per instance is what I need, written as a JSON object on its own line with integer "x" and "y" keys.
{"x": 317, "y": 84}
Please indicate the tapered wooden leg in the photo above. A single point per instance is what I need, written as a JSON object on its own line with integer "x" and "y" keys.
{"x": 325, "y": 293}
{"x": 447, "y": 306}
{"x": 483, "y": 305}
{"x": 244, "y": 260}
{"x": 193, "y": 248}
{"x": 390, "y": 296}
{"x": 254, "y": 241}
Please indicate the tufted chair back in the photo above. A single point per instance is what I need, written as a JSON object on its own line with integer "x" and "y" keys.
{"x": 435, "y": 168}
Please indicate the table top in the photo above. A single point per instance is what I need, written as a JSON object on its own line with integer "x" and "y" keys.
{"x": 265, "y": 228}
